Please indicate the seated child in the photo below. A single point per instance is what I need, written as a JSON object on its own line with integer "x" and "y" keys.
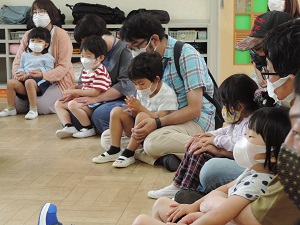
{"x": 95, "y": 79}
{"x": 154, "y": 99}
{"x": 236, "y": 94}
{"x": 258, "y": 152}
{"x": 25, "y": 84}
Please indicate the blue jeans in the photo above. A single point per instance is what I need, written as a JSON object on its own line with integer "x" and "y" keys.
{"x": 101, "y": 115}
{"x": 217, "y": 172}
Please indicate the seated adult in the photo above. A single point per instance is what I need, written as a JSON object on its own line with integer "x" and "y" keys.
{"x": 45, "y": 14}
{"x": 279, "y": 85}
{"x": 116, "y": 63}
{"x": 165, "y": 137}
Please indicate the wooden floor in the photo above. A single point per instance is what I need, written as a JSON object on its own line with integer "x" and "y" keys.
{"x": 36, "y": 167}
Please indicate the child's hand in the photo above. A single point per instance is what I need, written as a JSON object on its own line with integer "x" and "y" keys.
{"x": 209, "y": 148}
{"x": 190, "y": 218}
{"x": 133, "y": 104}
{"x": 35, "y": 74}
{"x": 178, "y": 210}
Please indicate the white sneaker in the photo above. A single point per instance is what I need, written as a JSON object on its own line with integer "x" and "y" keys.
{"x": 123, "y": 161}
{"x": 31, "y": 115}
{"x": 7, "y": 112}
{"x": 168, "y": 192}
{"x": 66, "y": 132}
{"x": 85, "y": 133}
{"x": 105, "y": 157}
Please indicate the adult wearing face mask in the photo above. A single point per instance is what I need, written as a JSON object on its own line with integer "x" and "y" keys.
{"x": 164, "y": 138}
{"x": 213, "y": 173}
{"x": 45, "y": 14}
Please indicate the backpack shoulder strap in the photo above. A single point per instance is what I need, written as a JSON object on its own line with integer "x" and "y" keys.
{"x": 177, "y": 52}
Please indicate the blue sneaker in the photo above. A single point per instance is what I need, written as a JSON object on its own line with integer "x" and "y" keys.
{"x": 48, "y": 215}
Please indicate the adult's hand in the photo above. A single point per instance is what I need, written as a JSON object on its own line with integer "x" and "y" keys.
{"x": 86, "y": 100}
{"x": 67, "y": 98}
{"x": 141, "y": 130}
{"x": 21, "y": 76}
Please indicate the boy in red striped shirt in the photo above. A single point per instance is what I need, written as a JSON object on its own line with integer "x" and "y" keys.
{"x": 95, "y": 79}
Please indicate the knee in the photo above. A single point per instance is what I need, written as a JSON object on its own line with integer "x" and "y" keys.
{"x": 57, "y": 104}
{"x": 116, "y": 112}
{"x": 141, "y": 116}
{"x": 29, "y": 83}
{"x": 140, "y": 220}
{"x": 11, "y": 83}
{"x": 72, "y": 105}
{"x": 160, "y": 203}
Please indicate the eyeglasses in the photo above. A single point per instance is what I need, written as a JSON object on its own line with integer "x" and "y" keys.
{"x": 136, "y": 48}
{"x": 41, "y": 12}
{"x": 266, "y": 75}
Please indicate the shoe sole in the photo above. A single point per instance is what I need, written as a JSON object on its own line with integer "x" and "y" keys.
{"x": 123, "y": 165}
{"x": 27, "y": 118}
{"x": 43, "y": 214}
{"x": 62, "y": 134}
{"x": 90, "y": 135}
{"x": 106, "y": 159}
{"x": 157, "y": 197}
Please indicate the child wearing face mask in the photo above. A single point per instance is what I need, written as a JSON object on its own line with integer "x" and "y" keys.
{"x": 23, "y": 85}
{"x": 237, "y": 95}
{"x": 95, "y": 80}
{"x": 154, "y": 99}
{"x": 257, "y": 151}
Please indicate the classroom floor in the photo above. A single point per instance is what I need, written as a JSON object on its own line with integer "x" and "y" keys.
{"x": 36, "y": 167}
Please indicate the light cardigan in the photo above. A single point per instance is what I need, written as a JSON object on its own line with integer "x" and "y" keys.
{"x": 61, "y": 50}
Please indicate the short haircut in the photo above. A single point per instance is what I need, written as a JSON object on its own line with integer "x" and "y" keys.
{"x": 88, "y": 25}
{"x": 146, "y": 65}
{"x": 41, "y": 33}
{"x": 94, "y": 44}
{"x": 49, "y": 6}
{"x": 273, "y": 130}
{"x": 238, "y": 88}
{"x": 141, "y": 25}
{"x": 282, "y": 47}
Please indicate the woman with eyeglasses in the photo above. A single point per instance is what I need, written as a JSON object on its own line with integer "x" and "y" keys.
{"x": 45, "y": 14}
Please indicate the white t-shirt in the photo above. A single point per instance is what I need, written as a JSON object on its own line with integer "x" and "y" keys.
{"x": 165, "y": 99}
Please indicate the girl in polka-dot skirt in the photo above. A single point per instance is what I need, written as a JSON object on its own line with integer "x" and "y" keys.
{"x": 257, "y": 151}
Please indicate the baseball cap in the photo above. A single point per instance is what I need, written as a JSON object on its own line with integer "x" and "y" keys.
{"x": 262, "y": 25}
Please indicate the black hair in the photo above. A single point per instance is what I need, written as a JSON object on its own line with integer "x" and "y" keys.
{"x": 282, "y": 47}
{"x": 273, "y": 124}
{"x": 238, "y": 88}
{"x": 141, "y": 25}
{"x": 49, "y": 6}
{"x": 41, "y": 33}
{"x": 88, "y": 25}
{"x": 146, "y": 65}
{"x": 95, "y": 44}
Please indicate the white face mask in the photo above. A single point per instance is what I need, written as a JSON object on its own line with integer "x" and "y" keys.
{"x": 41, "y": 20}
{"x": 88, "y": 64}
{"x": 278, "y": 5}
{"x": 36, "y": 47}
{"x": 147, "y": 91}
{"x": 286, "y": 102}
{"x": 135, "y": 53}
{"x": 244, "y": 152}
